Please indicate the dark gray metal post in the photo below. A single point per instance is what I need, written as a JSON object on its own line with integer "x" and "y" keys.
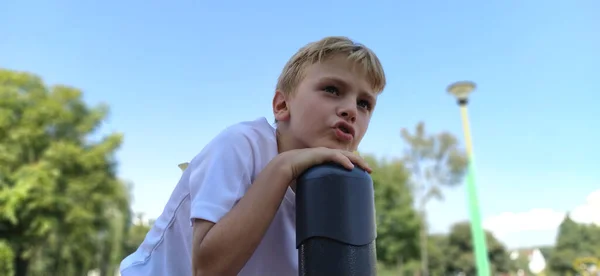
{"x": 335, "y": 222}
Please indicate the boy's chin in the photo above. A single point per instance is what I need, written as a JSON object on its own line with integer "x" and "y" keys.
{"x": 334, "y": 144}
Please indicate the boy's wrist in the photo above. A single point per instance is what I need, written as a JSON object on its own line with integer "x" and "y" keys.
{"x": 281, "y": 170}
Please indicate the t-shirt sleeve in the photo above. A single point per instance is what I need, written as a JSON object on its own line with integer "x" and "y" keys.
{"x": 219, "y": 175}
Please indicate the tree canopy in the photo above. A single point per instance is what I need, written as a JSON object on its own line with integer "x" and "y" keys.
{"x": 60, "y": 200}
{"x": 577, "y": 248}
{"x": 434, "y": 161}
{"x": 397, "y": 222}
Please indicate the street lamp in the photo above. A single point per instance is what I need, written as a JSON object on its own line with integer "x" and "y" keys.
{"x": 461, "y": 90}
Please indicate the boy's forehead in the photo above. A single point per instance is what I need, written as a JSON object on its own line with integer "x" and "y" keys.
{"x": 337, "y": 62}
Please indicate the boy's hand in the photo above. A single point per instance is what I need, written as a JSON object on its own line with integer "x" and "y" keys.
{"x": 300, "y": 160}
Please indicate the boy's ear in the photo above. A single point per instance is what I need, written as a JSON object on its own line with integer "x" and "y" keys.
{"x": 281, "y": 109}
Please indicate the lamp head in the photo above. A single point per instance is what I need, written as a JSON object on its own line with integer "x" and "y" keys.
{"x": 461, "y": 90}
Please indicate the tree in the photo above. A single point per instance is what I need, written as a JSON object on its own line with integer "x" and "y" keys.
{"x": 438, "y": 248}
{"x": 567, "y": 245}
{"x": 434, "y": 161}
{"x": 460, "y": 251}
{"x": 577, "y": 246}
{"x": 58, "y": 187}
{"x": 6, "y": 259}
{"x": 136, "y": 234}
{"x": 397, "y": 221}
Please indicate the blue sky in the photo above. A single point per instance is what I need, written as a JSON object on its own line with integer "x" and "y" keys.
{"x": 176, "y": 74}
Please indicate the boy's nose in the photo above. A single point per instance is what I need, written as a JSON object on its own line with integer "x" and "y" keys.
{"x": 348, "y": 112}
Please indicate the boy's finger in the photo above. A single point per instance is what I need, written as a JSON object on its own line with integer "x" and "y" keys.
{"x": 359, "y": 161}
{"x": 343, "y": 160}
{"x": 321, "y": 155}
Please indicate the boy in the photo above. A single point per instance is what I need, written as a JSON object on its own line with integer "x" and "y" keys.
{"x": 238, "y": 193}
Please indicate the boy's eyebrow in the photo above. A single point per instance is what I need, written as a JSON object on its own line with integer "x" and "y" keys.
{"x": 345, "y": 85}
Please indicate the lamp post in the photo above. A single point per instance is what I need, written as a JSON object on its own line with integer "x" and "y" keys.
{"x": 461, "y": 90}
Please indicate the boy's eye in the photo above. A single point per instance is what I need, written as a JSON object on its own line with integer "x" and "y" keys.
{"x": 364, "y": 104}
{"x": 332, "y": 90}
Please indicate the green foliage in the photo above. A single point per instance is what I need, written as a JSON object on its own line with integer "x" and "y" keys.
{"x": 577, "y": 246}
{"x": 434, "y": 161}
{"x": 453, "y": 253}
{"x": 6, "y": 259}
{"x": 136, "y": 234}
{"x": 59, "y": 195}
{"x": 456, "y": 253}
{"x": 397, "y": 222}
{"x": 438, "y": 248}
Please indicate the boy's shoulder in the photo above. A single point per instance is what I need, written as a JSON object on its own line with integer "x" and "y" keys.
{"x": 258, "y": 130}
{"x": 243, "y": 139}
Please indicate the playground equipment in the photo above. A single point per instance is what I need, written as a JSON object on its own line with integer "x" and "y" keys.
{"x": 335, "y": 222}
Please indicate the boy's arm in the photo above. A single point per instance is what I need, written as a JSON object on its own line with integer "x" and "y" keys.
{"x": 230, "y": 209}
{"x": 225, "y": 247}
{"x": 230, "y": 214}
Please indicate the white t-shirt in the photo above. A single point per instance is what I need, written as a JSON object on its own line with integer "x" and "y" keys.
{"x": 215, "y": 180}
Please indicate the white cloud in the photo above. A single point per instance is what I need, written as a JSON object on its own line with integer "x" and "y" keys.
{"x": 590, "y": 211}
{"x": 532, "y": 220}
{"x": 541, "y": 220}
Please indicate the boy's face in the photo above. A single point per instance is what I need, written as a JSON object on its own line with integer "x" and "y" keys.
{"x": 331, "y": 106}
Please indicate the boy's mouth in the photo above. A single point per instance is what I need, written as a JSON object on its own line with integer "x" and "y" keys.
{"x": 344, "y": 131}
{"x": 345, "y": 128}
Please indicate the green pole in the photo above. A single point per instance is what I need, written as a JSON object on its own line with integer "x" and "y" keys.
{"x": 477, "y": 232}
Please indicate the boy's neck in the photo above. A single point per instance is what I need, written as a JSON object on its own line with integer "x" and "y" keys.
{"x": 285, "y": 142}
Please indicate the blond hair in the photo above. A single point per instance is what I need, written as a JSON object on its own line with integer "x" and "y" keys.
{"x": 317, "y": 51}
